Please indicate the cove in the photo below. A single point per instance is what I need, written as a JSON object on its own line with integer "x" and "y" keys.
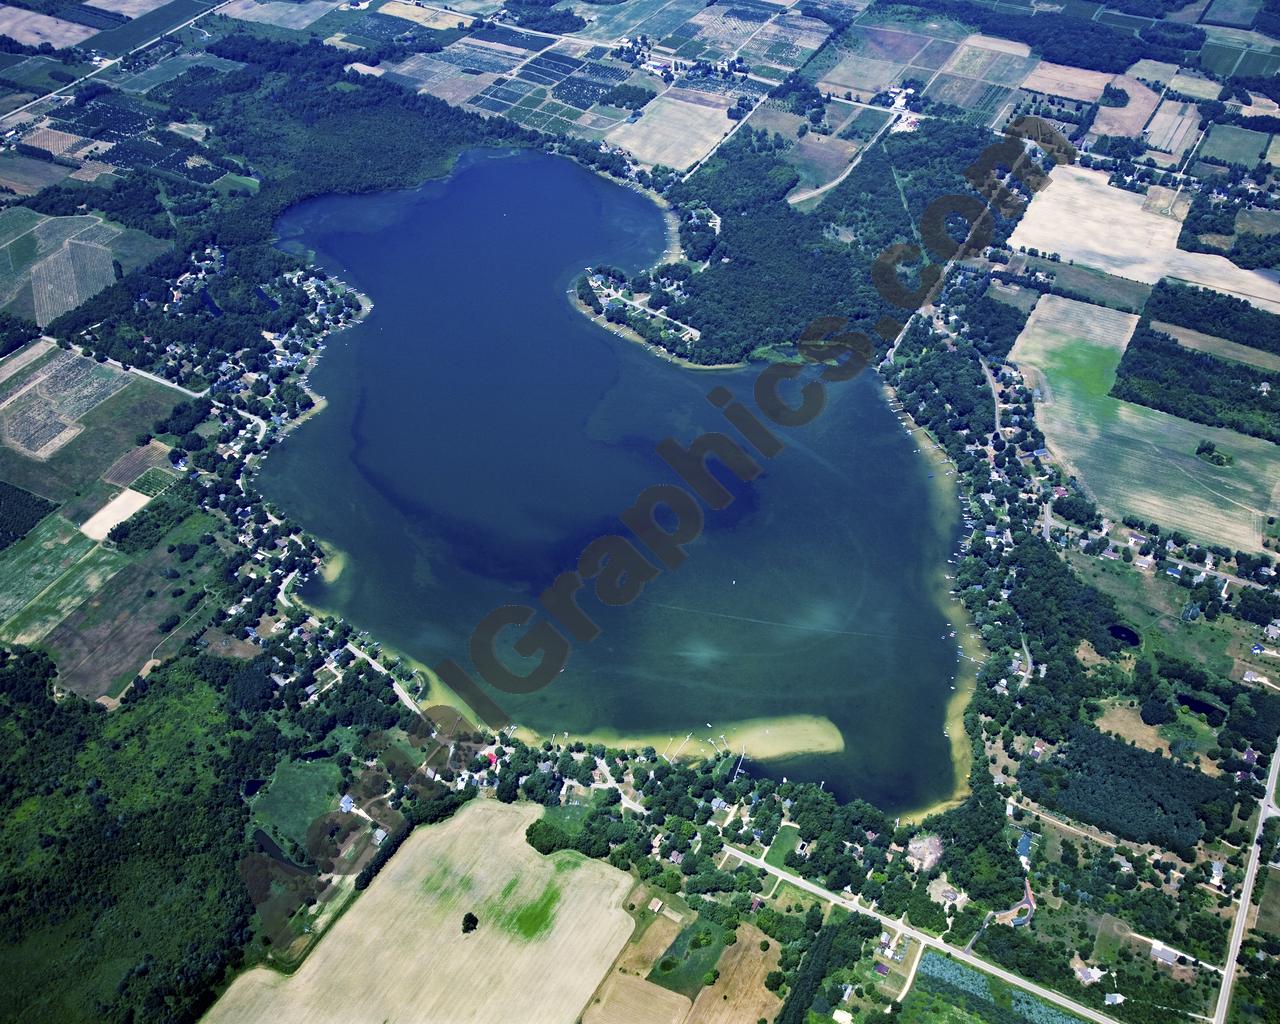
{"x": 479, "y": 432}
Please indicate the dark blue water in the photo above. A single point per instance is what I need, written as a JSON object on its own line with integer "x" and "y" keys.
{"x": 480, "y": 432}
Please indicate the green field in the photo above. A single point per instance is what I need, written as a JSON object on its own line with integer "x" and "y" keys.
{"x": 53, "y": 604}
{"x": 154, "y": 481}
{"x": 1269, "y": 908}
{"x": 299, "y": 792}
{"x": 33, "y": 563}
{"x": 1233, "y": 13}
{"x": 103, "y": 643}
{"x": 1232, "y": 145}
{"x": 1136, "y": 460}
{"x": 1154, "y": 605}
{"x": 695, "y": 951}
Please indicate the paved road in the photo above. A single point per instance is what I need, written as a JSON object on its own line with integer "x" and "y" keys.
{"x": 1250, "y": 875}
{"x": 1048, "y": 995}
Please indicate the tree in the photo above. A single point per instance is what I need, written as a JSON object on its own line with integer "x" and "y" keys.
{"x": 469, "y": 922}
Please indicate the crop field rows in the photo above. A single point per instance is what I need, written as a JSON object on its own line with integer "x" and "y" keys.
{"x": 42, "y": 415}
{"x": 49, "y": 265}
{"x": 134, "y": 464}
{"x": 786, "y": 43}
{"x": 1226, "y": 60}
{"x": 1135, "y": 460}
{"x": 67, "y": 278}
{"x": 1173, "y": 127}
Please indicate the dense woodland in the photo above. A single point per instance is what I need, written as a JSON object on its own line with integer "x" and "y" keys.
{"x": 19, "y": 511}
{"x": 1157, "y": 372}
{"x": 1136, "y": 794}
{"x": 770, "y": 270}
{"x": 1214, "y": 313}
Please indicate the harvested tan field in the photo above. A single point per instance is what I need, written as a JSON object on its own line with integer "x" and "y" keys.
{"x": 626, "y": 999}
{"x": 1193, "y": 85}
{"x": 427, "y": 17}
{"x": 1153, "y": 71}
{"x": 33, "y": 29}
{"x": 549, "y": 929}
{"x": 1083, "y": 219}
{"x": 117, "y": 510}
{"x": 130, "y": 8}
{"x": 742, "y": 969}
{"x": 280, "y": 13}
{"x": 1127, "y": 723}
{"x": 11, "y": 364}
{"x": 995, "y": 43}
{"x": 1167, "y": 202}
{"x": 675, "y": 130}
{"x": 1068, "y": 82}
{"x": 1130, "y": 119}
{"x": 1221, "y": 347}
{"x": 1173, "y": 128}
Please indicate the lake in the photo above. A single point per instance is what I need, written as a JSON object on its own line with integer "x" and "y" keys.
{"x": 480, "y": 431}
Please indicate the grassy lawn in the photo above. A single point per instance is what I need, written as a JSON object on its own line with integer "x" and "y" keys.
{"x": 299, "y": 792}
{"x": 1269, "y": 908}
{"x": 787, "y": 839}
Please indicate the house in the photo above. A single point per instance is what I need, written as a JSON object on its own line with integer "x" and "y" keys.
{"x": 1113, "y": 999}
{"x": 347, "y": 805}
{"x": 1024, "y": 849}
{"x": 882, "y": 970}
{"x": 1090, "y": 975}
{"x": 655, "y": 906}
{"x": 1163, "y": 954}
{"x": 379, "y": 834}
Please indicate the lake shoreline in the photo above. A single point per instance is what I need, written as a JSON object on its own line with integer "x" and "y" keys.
{"x": 773, "y": 736}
